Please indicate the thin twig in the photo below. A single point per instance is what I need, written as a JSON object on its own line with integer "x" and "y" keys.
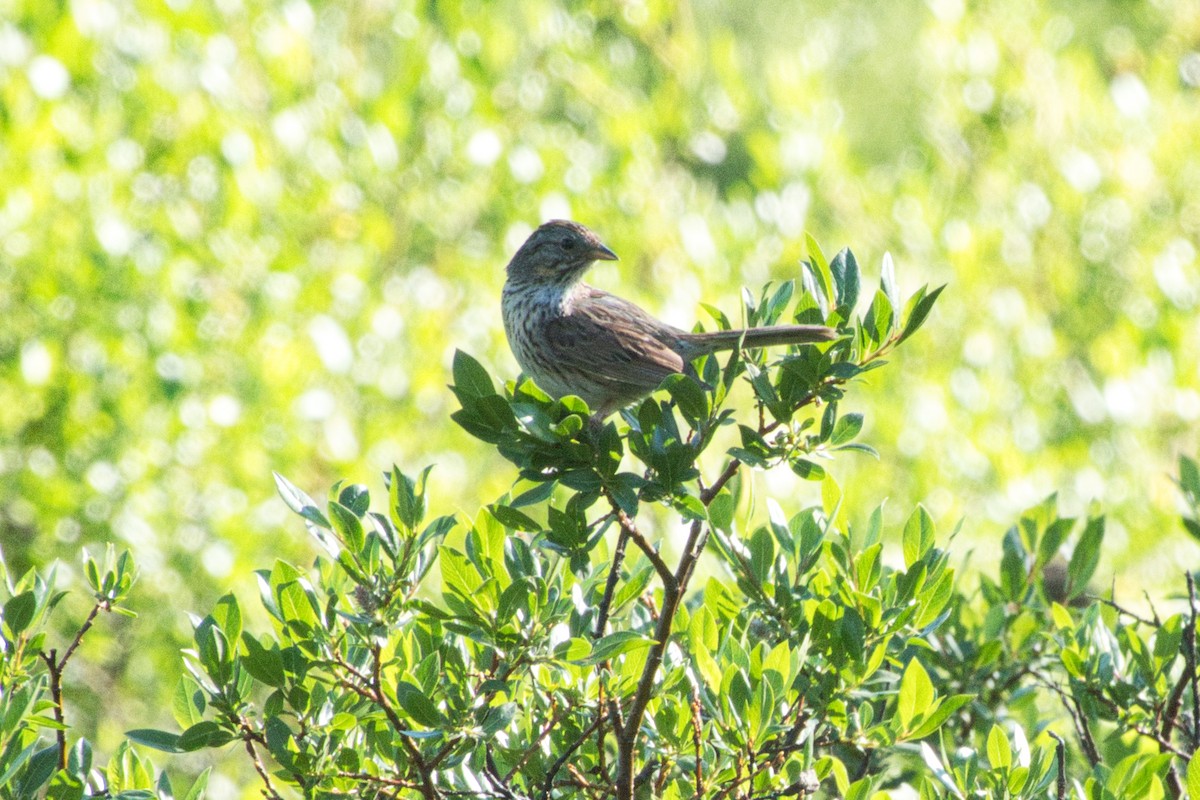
{"x": 492, "y": 774}
{"x": 248, "y": 738}
{"x": 55, "y": 670}
{"x": 1071, "y": 704}
{"x": 610, "y": 585}
{"x": 1060, "y": 756}
{"x": 101, "y": 605}
{"x": 1190, "y": 654}
{"x": 696, "y": 739}
{"x": 373, "y": 692}
{"x": 548, "y": 784}
{"x": 368, "y": 778}
{"x": 56, "y": 666}
{"x": 673, "y": 592}
{"x": 1153, "y": 623}
{"x": 630, "y": 529}
{"x": 1085, "y": 734}
{"x": 533, "y": 746}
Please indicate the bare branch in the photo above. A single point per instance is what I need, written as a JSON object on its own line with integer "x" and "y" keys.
{"x": 1060, "y": 756}
{"x": 610, "y": 585}
{"x": 56, "y": 666}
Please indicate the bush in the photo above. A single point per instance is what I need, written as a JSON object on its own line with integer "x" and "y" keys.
{"x": 537, "y": 662}
{"x": 36, "y": 756}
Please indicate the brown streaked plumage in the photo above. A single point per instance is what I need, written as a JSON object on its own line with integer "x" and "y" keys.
{"x": 572, "y": 338}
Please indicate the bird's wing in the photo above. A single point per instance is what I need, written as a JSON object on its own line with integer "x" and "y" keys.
{"x": 614, "y": 341}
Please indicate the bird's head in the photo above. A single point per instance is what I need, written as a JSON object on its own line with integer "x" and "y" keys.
{"x": 558, "y": 252}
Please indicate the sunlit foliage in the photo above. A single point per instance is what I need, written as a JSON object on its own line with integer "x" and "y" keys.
{"x": 237, "y": 237}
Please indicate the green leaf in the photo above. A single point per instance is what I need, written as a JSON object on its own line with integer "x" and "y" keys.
{"x": 773, "y": 307}
{"x": 79, "y": 759}
{"x": 348, "y": 527}
{"x": 510, "y": 518}
{"x": 497, "y": 718}
{"x": 998, "y": 750}
{"x": 633, "y": 586}
{"x": 1062, "y": 617}
{"x": 1192, "y": 527}
{"x": 264, "y": 664}
{"x": 847, "y": 428}
{"x": 918, "y": 536}
{"x": 874, "y": 527}
{"x": 41, "y": 766}
{"x": 1013, "y": 570}
{"x": 809, "y": 470}
{"x": 689, "y": 506}
{"x": 156, "y": 739}
{"x": 935, "y": 599}
{"x": 820, "y": 268}
{"x": 616, "y": 644}
{"x": 18, "y": 613}
{"x": 887, "y": 280}
{"x": 537, "y": 494}
{"x": 418, "y": 706}
{"x": 471, "y": 380}
{"x": 878, "y": 322}
{"x": 847, "y": 278}
{"x": 188, "y": 702}
{"x": 915, "y": 695}
{"x": 228, "y": 616}
{"x": 944, "y": 711}
{"x": 407, "y": 497}
{"x": 721, "y": 510}
{"x": 1053, "y": 538}
{"x": 212, "y": 647}
{"x": 459, "y": 576}
{"x": 1086, "y": 556}
{"x": 1193, "y": 776}
{"x": 355, "y": 497}
{"x": 203, "y": 734}
{"x": 199, "y": 786}
{"x": 762, "y": 554}
{"x": 718, "y": 316}
{"x": 919, "y": 306}
{"x": 689, "y": 397}
{"x": 1189, "y": 479}
{"x": 299, "y": 502}
{"x": 14, "y": 761}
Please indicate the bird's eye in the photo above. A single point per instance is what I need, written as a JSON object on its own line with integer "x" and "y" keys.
{"x": 567, "y": 244}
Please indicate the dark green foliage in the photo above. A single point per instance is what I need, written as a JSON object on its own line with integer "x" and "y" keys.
{"x": 545, "y": 658}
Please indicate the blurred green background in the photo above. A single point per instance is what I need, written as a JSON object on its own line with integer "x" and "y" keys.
{"x": 240, "y": 236}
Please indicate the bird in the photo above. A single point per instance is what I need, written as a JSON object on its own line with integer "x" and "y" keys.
{"x": 575, "y": 339}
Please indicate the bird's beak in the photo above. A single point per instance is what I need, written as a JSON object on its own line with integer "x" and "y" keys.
{"x": 602, "y": 253}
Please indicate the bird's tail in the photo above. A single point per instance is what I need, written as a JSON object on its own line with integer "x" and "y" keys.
{"x": 769, "y": 336}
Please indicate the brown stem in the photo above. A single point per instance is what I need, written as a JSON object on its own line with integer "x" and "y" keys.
{"x": 248, "y": 738}
{"x": 368, "y": 778}
{"x": 55, "y": 670}
{"x": 548, "y": 784}
{"x": 1152, "y": 623}
{"x": 696, "y": 741}
{"x": 1085, "y": 734}
{"x": 371, "y": 689}
{"x": 630, "y": 529}
{"x": 1060, "y": 756}
{"x": 1175, "y": 699}
{"x": 56, "y": 666}
{"x": 554, "y": 719}
{"x": 610, "y": 585}
{"x": 1190, "y": 655}
{"x": 673, "y": 591}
